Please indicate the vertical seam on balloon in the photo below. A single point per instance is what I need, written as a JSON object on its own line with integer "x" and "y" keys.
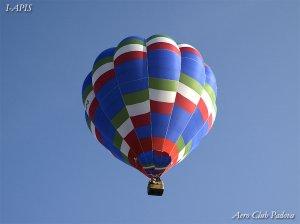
{"x": 118, "y": 85}
{"x": 171, "y": 113}
{"x": 169, "y": 126}
{"x": 152, "y": 151}
{"x": 107, "y": 93}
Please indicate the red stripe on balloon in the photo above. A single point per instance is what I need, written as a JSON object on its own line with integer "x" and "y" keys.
{"x": 185, "y": 103}
{"x": 104, "y": 78}
{"x": 93, "y": 108}
{"x": 163, "y": 46}
{"x": 203, "y": 109}
{"x": 133, "y": 141}
{"x": 174, "y": 157}
{"x": 169, "y": 146}
{"x": 146, "y": 144}
{"x": 141, "y": 120}
{"x": 163, "y": 144}
{"x": 132, "y": 55}
{"x": 191, "y": 50}
{"x": 157, "y": 143}
{"x": 161, "y": 107}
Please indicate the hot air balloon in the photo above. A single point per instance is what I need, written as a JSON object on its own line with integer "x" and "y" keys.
{"x": 150, "y": 102}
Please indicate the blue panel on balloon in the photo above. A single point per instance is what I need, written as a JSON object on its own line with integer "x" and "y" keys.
{"x": 210, "y": 78}
{"x": 161, "y": 160}
{"x": 134, "y": 86}
{"x": 194, "y": 125}
{"x": 106, "y": 89}
{"x": 115, "y": 151}
{"x": 145, "y": 158}
{"x": 113, "y": 103}
{"x": 178, "y": 123}
{"x": 131, "y": 70}
{"x": 144, "y": 131}
{"x": 164, "y": 64}
{"x": 192, "y": 56}
{"x": 197, "y": 139}
{"x": 159, "y": 124}
{"x": 193, "y": 69}
{"x": 103, "y": 124}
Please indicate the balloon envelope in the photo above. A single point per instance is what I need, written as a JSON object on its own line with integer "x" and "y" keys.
{"x": 150, "y": 102}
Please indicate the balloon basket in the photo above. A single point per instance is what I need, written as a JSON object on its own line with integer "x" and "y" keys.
{"x": 155, "y": 187}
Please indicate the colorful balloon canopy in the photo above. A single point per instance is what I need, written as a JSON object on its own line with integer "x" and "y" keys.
{"x": 150, "y": 102}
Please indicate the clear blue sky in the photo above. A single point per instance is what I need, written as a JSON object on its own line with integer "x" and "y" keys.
{"x": 54, "y": 171}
